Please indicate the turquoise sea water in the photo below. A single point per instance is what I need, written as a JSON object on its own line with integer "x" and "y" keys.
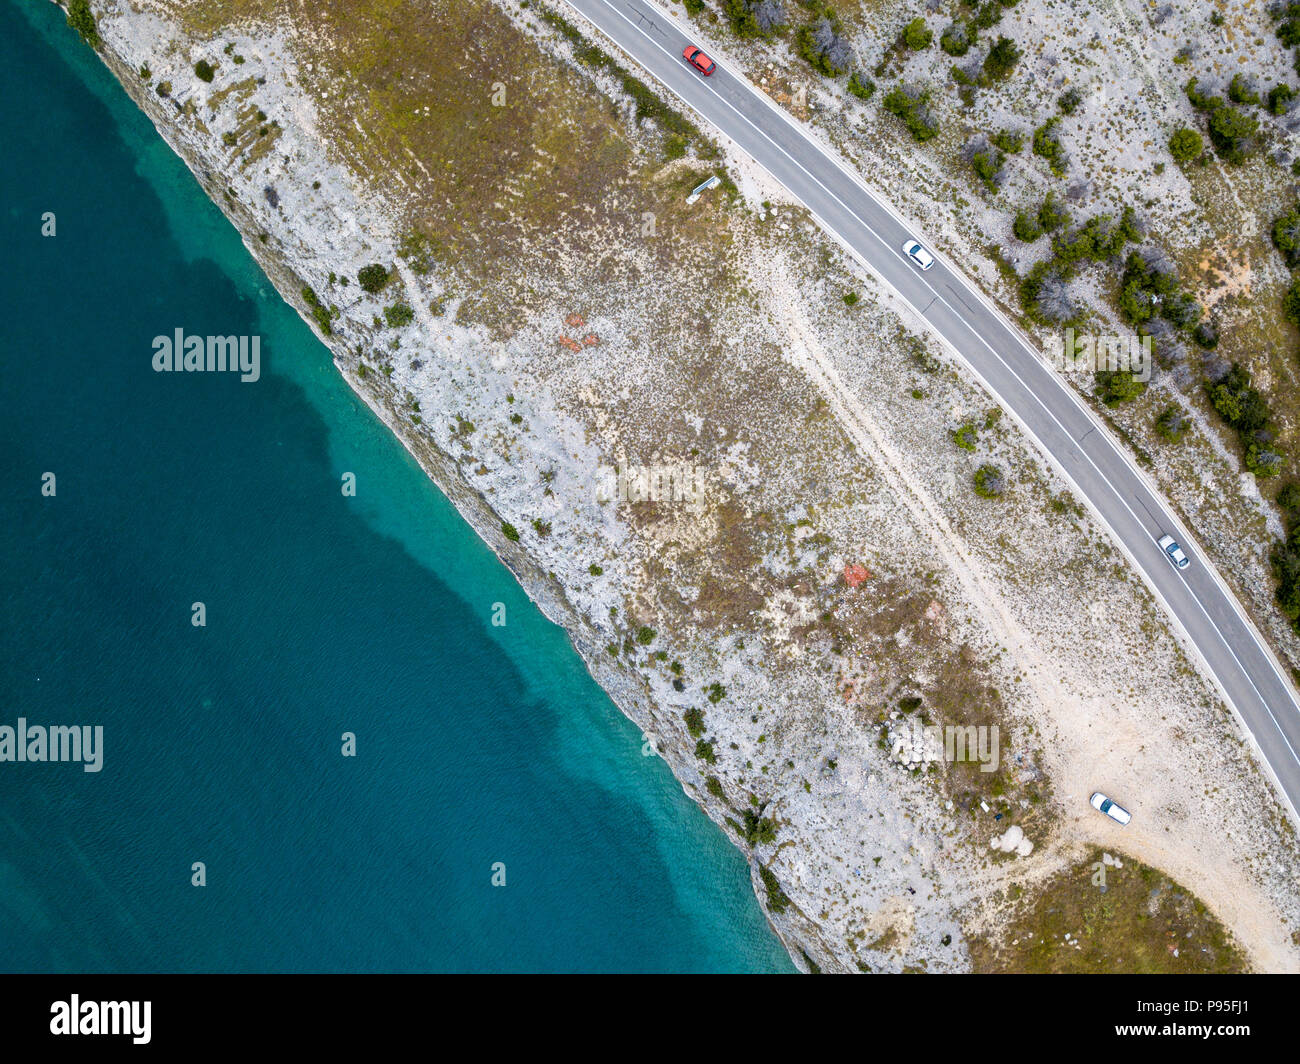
{"x": 325, "y": 614}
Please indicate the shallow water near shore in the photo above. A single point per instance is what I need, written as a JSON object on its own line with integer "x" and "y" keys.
{"x": 325, "y": 614}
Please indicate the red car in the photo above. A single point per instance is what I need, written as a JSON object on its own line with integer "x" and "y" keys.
{"x": 699, "y": 60}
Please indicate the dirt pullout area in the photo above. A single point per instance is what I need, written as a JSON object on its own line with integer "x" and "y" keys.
{"x": 740, "y": 477}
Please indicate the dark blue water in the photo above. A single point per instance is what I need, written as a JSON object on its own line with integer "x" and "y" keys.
{"x": 325, "y": 614}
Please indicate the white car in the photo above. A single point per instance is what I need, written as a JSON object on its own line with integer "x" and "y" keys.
{"x": 1174, "y": 552}
{"x": 1105, "y": 805}
{"x": 918, "y": 254}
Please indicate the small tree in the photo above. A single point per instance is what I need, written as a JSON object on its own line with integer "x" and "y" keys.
{"x": 398, "y": 314}
{"x": 862, "y": 88}
{"x": 989, "y": 482}
{"x": 917, "y": 35}
{"x": 1118, "y": 387}
{"x": 1232, "y": 132}
{"x": 372, "y": 278}
{"x": 1172, "y": 424}
{"x": 956, "y": 39}
{"x": 1048, "y": 145}
{"x": 1291, "y": 302}
{"x": 988, "y": 165}
{"x": 821, "y": 44}
{"x": 1052, "y": 215}
{"x": 1185, "y": 145}
{"x": 1279, "y": 99}
{"x": 1241, "y": 91}
{"x": 1286, "y": 236}
{"x": 1001, "y": 60}
{"x": 82, "y": 20}
{"x": 1069, "y": 101}
{"x": 1026, "y": 227}
{"x": 1008, "y": 141}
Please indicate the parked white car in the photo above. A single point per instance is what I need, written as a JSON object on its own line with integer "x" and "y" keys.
{"x": 918, "y": 254}
{"x": 1175, "y": 553}
{"x": 1105, "y": 805}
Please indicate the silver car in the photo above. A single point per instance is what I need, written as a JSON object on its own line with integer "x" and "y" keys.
{"x": 1105, "y": 805}
{"x": 1175, "y": 553}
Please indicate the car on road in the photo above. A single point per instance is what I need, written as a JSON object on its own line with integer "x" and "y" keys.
{"x": 701, "y": 62}
{"x": 1174, "y": 552}
{"x": 918, "y": 254}
{"x": 1106, "y": 805}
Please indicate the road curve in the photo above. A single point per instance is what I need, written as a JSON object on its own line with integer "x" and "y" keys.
{"x": 1098, "y": 467}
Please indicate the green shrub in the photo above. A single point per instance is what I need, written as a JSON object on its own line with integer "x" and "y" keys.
{"x": 1185, "y": 145}
{"x": 989, "y": 482}
{"x": 820, "y": 41}
{"x": 910, "y": 106}
{"x": 1069, "y": 101}
{"x": 372, "y": 278}
{"x": 956, "y": 39}
{"x": 1026, "y": 227}
{"x": 1052, "y": 215}
{"x": 81, "y": 19}
{"x": 704, "y": 751}
{"x": 1291, "y": 302}
{"x": 758, "y": 829}
{"x": 1239, "y": 403}
{"x": 1279, "y": 97}
{"x": 966, "y": 436}
{"x": 1200, "y": 100}
{"x": 509, "y": 531}
{"x": 1262, "y": 460}
{"x": 1045, "y": 297}
{"x": 1172, "y": 424}
{"x": 988, "y": 15}
{"x": 861, "y": 87}
{"x": 1232, "y": 133}
{"x": 204, "y": 71}
{"x": 694, "y": 722}
{"x": 645, "y": 635}
{"x": 777, "y": 901}
{"x": 749, "y": 18}
{"x": 988, "y": 164}
{"x": 398, "y": 314}
{"x": 716, "y": 692}
{"x": 1286, "y": 236}
{"x": 1097, "y": 239}
{"x": 1048, "y": 145}
{"x": 1118, "y": 387}
{"x": 917, "y": 35}
{"x": 1001, "y": 60}
{"x": 1240, "y": 91}
{"x": 712, "y": 784}
{"x": 1008, "y": 141}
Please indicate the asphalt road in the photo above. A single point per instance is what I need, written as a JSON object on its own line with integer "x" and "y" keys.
{"x": 1101, "y": 471}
